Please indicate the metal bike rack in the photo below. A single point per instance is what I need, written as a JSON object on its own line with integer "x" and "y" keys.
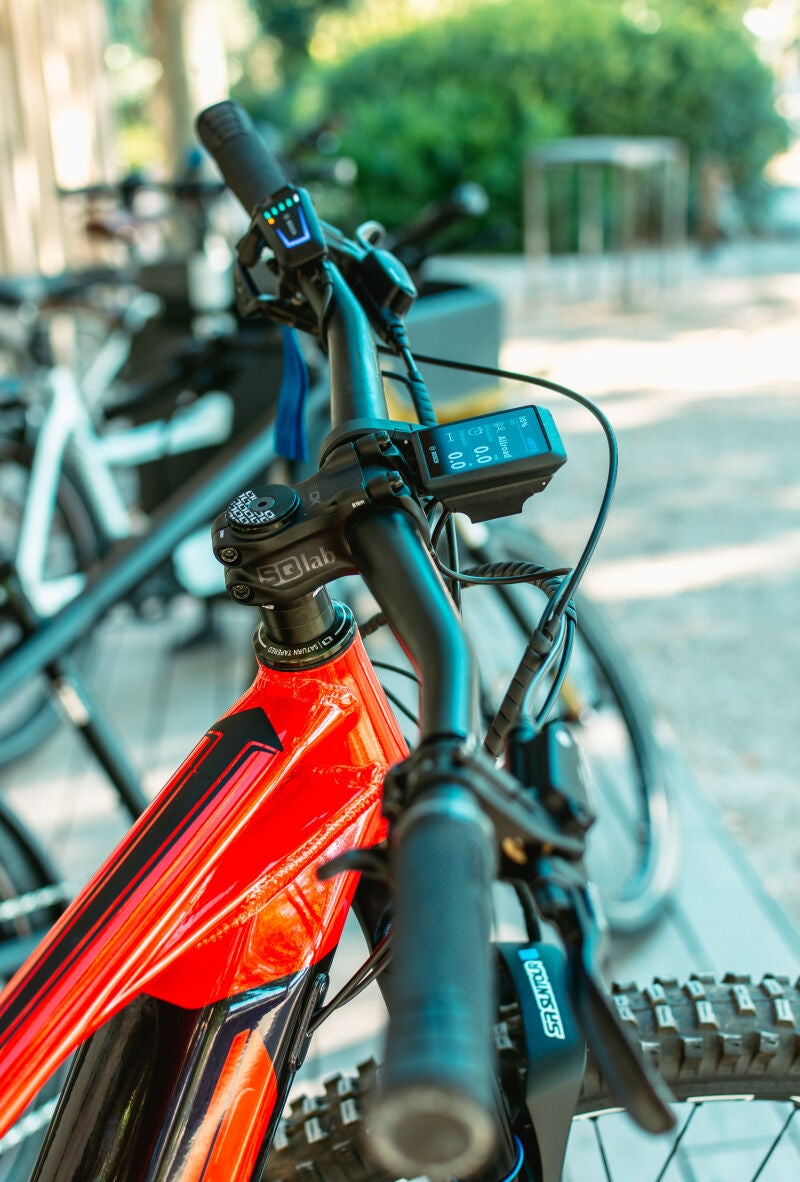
{"x": 608, "y": 199}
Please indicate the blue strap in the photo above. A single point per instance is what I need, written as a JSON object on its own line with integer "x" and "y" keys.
{"x": 290, "y": 426}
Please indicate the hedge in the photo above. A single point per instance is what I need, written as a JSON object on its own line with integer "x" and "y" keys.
{"x": 465, "y": 98}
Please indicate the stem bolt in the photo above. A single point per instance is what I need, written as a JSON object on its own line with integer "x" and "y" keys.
{"x": 241, "y": 592}
{"x": 229, "y": 554}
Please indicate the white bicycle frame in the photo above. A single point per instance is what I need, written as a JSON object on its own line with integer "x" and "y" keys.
{"x": 67, "y": 427}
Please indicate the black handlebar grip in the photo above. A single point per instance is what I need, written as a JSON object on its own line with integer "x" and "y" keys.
{"x": 434, "y": 1112}
{"x": 249, "y": 168}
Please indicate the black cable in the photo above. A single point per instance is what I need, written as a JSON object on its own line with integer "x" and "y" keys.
{"x": 419, "y": 391}
{"x": 558, "y": 680}
{"x": 404, "y": 379}
{"x": 568, "y": 590}
{"x": 533, "y": 667}
{"x": 373, "y": 624}
{"x": 452, "y": 550}
{"x": 369, "y": 971}
{"x": 402, "y": 672}
{"x": 537, "y": 576}
{"x": 447, "y": 525}
{"x": 400, "y": 705}
{"x": 440, "y": 525}
{"x": 536, "y": 660}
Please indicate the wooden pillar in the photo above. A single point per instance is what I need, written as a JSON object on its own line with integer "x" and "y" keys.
{"x": 188, "y": 40}
{"x": 55, "y": 125}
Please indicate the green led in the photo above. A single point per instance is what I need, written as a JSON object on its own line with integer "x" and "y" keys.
{"x": 281, "y": 206}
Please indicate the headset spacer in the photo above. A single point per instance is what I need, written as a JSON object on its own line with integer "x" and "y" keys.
{"x": 318, "y": 650}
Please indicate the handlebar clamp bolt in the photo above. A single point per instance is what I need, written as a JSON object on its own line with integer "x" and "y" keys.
{"x": 241, "y": 592}
{"x": 229, "y": 555}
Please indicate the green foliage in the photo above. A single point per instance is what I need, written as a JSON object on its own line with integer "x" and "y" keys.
{"x": 292, "y": 23}
{"x": 465, "y": 98}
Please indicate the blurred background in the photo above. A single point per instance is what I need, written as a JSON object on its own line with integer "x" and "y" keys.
{"x": 641, "y": 165}
{"x": 415, "y": 96}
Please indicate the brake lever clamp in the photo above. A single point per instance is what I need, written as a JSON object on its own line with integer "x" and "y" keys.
{"x": 251, "y": 301}
{"x": 524, "y": 829}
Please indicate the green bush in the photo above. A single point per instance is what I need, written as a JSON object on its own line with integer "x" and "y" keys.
{"x": 466, "y": 97}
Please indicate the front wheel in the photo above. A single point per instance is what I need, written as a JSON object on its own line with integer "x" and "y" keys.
{"x": 728, "y": 1048}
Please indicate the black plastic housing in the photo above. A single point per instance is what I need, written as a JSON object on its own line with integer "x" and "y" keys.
{"x": 488, "y": 466}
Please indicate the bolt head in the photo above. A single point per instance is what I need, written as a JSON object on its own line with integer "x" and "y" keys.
{"x": 241, "y": 592}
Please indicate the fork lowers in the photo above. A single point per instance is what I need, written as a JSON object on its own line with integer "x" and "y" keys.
{"x": 304, "y": 634}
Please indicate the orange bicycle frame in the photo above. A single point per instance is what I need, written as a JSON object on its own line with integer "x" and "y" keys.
{"x": 213, "y": 899}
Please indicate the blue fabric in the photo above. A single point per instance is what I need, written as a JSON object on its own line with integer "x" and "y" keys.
{"x": 290, "y": 426}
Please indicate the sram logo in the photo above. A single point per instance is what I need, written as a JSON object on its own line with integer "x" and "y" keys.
{"x": 295, "y": 567}
{"x": 545, "y": 998}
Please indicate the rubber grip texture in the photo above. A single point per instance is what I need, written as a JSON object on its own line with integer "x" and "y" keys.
{"x": 249, "y": 168}
{"x": 434, "y": 1112}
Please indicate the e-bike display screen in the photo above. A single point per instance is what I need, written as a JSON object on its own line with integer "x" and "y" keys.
{"x": 484, "y": 442}
{"x": 481, "y": 466}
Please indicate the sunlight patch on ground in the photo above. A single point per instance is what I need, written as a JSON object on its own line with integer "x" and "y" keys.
{"x": 687, "y": 366}
{"x": 693, "y": 570}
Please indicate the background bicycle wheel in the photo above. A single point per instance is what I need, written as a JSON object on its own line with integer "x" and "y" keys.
{"x": 27, "y": 717}
{"x": 31, "y": 898}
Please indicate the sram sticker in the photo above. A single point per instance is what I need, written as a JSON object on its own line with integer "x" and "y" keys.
{"x": 545, "y": 996}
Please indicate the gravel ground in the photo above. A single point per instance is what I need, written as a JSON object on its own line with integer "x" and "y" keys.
{"x": 699, "y": 566}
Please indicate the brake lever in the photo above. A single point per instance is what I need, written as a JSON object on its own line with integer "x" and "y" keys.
{"x": 631, "y": 1080}
{"x": 523, "y": 827}
{"x": 250, "y": 301}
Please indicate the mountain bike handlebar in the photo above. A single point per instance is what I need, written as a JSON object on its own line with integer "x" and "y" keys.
{"x": 435, "y": 1110}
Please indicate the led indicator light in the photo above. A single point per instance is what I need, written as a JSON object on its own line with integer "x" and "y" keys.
{"x": 281, "y": 206}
